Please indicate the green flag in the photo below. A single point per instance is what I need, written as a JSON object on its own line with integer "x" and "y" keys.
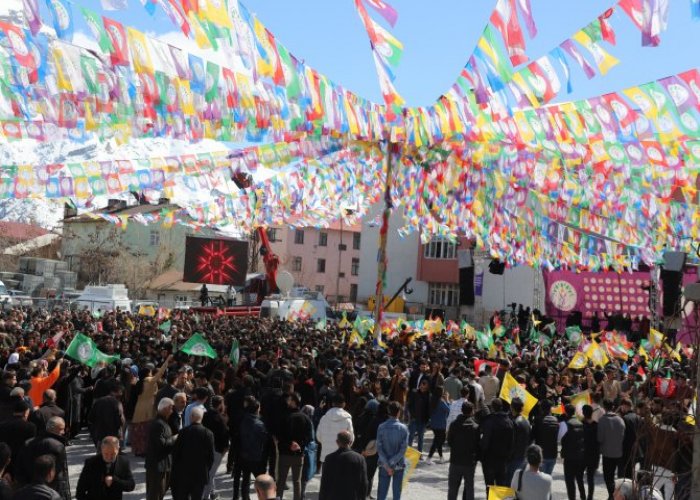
{"x": 321, "y": 324}
{"x": 291, "y": 75}
{"x": 235, "y": 353}
{"x": 212, "y": 81}
{"x": 574, "y": 334}
{"x": 198, "y": 346}
{"x": 484, "y": 340}
{"x": 84, "y": 350}
{"x": 165, "y": 327}
{"x": 94, "y": 22}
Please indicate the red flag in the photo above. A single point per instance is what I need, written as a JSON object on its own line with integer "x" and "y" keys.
{"x": 665, "y": 387}
{"x": 479, "y": 362}
{"x": 117, "y": 35}
{"x": 548, "y": 93}
{"x": 505, "y": 19}
{"x": 606, "y": 29}
{"x": 230, "y": 89}
{"x": 20, "y": 49}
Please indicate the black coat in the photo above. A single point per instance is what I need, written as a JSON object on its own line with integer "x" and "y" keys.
{"x": 573, "y": 446}
{"x": 16, "y": 432}
{"x": 545, "y": 434}
{"x": 54, "y": 445}
{"x": 463, "y": 438}
{"x": 176, "y": 421}
{"x": 36, "y": 492}
{"x": 91, "y": 485}
{"x": 45, "y": 412}
{"x": 296, "y": 427}
{"x": 254, "y": 439}
{"x": 497, "y": 437}
{"x": 344, "y": 476}
{"x": 193, "y": 456}
{"x": 214, "y": 421}
{"x": 160, "y": 445}
{"x": 106, "y": 418}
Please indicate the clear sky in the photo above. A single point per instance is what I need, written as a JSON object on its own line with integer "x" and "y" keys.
{"x": 439, "y": 36}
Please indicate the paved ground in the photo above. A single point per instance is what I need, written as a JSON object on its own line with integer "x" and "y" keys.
{"x": 429, "y": 482}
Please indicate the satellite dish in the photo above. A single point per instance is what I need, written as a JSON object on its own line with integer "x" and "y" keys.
{"x": 285, "y": 282}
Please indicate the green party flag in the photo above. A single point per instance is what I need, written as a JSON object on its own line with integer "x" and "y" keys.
{"x": 212, "y": 81}
{"x": 499, "y": 331}
{"x": 94, "y": 22}
{"x": 574, "y": 334}
{"x": 84, "y": 350}
{"x": 165, "y": 327}
{"x": 235, "y": 353}
{"x": 198, "y": 346}
{"x": 484, "y": 340}
{"x": 321, "y": 324}
{"x": 291, "y": 75}
{"x": 88, "y": 65}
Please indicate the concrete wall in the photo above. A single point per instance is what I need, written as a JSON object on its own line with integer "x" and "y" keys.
{"x": 519, "y": 284}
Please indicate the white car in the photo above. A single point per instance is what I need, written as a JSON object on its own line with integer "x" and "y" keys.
{"x": 19, "y": 299}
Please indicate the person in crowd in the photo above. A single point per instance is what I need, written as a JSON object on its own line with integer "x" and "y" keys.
{"x": 51, "y": 442}
{"x": 106, "y": 416}
{"x": 463, "y": 439}
{"x": 591, "y": 448}
{"x": 107, "y": 475}
{"x": 334, "y": 421}
{"x": 16, "y": 431}
{"x": 5, "y": 457}
{"x": 43, "y": 470}
{"x": 530, "y": 483}
{"x": 193, "y": 456}
{"x": 177, "y": 417}
{"x": 266, "y": 488}
{"x": 161, "y": 442}
{"x": 522, "y": 431}
{"x": 419, "y": 411}
{"x": 200, "y": 398}
{"x": 344, "y": 475}
{"x": 546, "y": 433}
{"x": 489, "y": 384}
{"x": 438, "y": 422}
{"x": 253, "y": 449}
{"x": 453, "y": 384}
{"x": 392, "y": 442}
{"x": 296, "y": 432}
{"x": 632, "y": 451}
{"x": 497, "y": 437}
{"x": 41, "y": 380}
{"x": 214, "y": 420}
{"x": 145, "y": 409}
{"x": 611, "y": 434}
{"x": 47, "y": 410}
{"x": 456, "y": 405}
{"x": 573, "y": 451}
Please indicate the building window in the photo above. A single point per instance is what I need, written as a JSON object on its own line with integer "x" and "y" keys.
{"x": 272, "y": 234}
{"x": 299, "y": 236}
{"x": 356, "y": 239}
{"x": 319, "y": 288}
{"x": 321, "y": 265}
{"x": 296, "y": 264}
{"x": 443, "y": 294}
{"x": 322, "y": 239}
{"x": 353, "y": 293}
{"x": 154, "y": 239}
{"x": 355, "y": 268}
{"x": 440, "y": 248}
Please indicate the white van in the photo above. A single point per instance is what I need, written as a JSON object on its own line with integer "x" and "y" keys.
{"x": 311, "y": 305}
{"x": 103, "y": 298}
{"x": 5, "y": 299}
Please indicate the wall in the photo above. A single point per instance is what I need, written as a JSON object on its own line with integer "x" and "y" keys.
{"x": 519, "y": 284}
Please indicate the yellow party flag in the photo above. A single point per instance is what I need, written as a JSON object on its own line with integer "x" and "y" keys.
{"x": 656, "y": 338}
{"x": 597, "y": 355}
{"x": 578, "y": 362}
{"x": 501, "y": 493}
{"x": 140, "y": 55}
{"x": 672, "y": 352}
{"x": 511, "y": 389}
{"x": 215, "y": 12}
{"x": 643, "y": 353}
{"x": 412, "y": 457}
{"x": 579, "y": 400}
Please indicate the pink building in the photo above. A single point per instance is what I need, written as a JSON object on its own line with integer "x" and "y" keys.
{"x": 318, "y": 261}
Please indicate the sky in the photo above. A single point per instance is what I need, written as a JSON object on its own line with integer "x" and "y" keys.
{"x": 440, "y": 35}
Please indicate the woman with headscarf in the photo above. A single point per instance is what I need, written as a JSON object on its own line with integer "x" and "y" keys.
{"x": 145, "y": 392}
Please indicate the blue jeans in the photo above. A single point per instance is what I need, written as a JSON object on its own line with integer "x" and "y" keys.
{"x": 385, "y": 479}
{"x": 548, "y": 465}
{"x": 416, "y": 427}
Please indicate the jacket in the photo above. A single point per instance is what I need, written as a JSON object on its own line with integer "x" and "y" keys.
{"x": 214, "y": 421}
{"x": 106, "y": 418}
{"x": 295, "y": 427}
{"x": 521, "y": 437}
{"x": 39, "y": 491}
{"x": 160, "y": 445}
{"x": 193, "y": 456}
{"x": 591, "y": 447}
{"x": 344, "y": 476}
{"x": 15, "y": 432}
{"x": 91, "y": 484}
{"x": 334, "y": 421}
{"x": 463, "y": 438}
{"x": 497, "y": 436}
{"x": 392, "y": 442}
{"x": 545, "y": 434}
{"x": 633, "y": 423}
{"x": 54, "y": 445}
{"x": 611, "y": 432}
{"x": 254, "y": 439}
{"x": 573, "y": 445}
{"x": 438, "y": 417}
{"x": 46, "y": 411}
{"x": 419, "y": 406}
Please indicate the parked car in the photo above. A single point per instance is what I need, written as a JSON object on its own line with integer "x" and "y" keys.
{"x": 19, "y": 299}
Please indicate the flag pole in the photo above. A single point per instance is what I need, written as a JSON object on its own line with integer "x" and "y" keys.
{"x": 391, "y": 148}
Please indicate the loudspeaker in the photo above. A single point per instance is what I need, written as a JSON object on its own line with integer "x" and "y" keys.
{"x": 671, "y": 282}
{"x": 466, "y": 286}
{"x": 497, "y": 267}
{"x": 674, "y": 261}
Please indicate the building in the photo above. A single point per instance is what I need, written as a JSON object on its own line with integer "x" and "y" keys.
{"x": 325, "y": 260}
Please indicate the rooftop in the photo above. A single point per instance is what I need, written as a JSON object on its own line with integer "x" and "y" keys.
{"x": 18, "y": 231}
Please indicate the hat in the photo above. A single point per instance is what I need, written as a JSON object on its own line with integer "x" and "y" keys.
{"x": 14, "y": 359}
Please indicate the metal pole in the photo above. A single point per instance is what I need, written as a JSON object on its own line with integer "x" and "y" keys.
{"x": 383, "y": 232}
{"x": 340, "y": 256}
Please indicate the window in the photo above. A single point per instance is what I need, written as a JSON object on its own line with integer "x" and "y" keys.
{"x": 272, "y": 234}
{"x": 321, "y": 265}
{"x": 356, "y": 238}
{"x": 299, "y": 236}
{"x": 296, "y": 264}
{"x": 443, "y": 294}
{"x": 322, "y": 239}
{"x": 154, "y": 239}
{"x": 440, "y": 248}
{"x": 355, "y": 268}
{"x": 353, "y": 293}
{"x": 319, "y": 288}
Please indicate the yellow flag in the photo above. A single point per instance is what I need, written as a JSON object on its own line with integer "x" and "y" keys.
{"x": 511, "y": 389}
{"x": 597, "y": 355}
{"x": 603, "y": 59}
{"x": 265, "y": 67}
{"x": 672, "y": 352}
{"x": 578, "y": 362}
{"x": 62, "y": 64}
{"x": 501, "y": 493}
{"x": 184, "y": 94}
{"x": 200, "y": 36}
{"x": 140, "y": 55}
{"x": 579, "y": 400}
{"x": 147, "y": 310}
{"x": 215, "y": 12}
{"x": 656, "y": 338}
{"x": 643, "y": 353}
{"x": 412, "y": 457}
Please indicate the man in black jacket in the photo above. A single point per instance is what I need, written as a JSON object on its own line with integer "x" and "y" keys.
{"x": 573, "y": 452}
{"x": 48, "y": 409}
{"x": 15, "y": 432}
{"x": 107, "y": 475}
{"x": 43, "y": 473}
{"x": 463, "y": 438}
{"x": 159, "y": 452}
{"x": 521, "y": 439}
{"x": 497, "y": 437}
{"x": 192, "y": 459}
{"x": 545, "y": 433}
{"x": 53, "y": 443}
{"x": 296, "y": 432}
{"x": 344, "y": 472}
{"x": 214, "y": 421}
{"x": 253, "y": 448}
{"x": 631, "y": 450}
{"x": 106, "y": 417}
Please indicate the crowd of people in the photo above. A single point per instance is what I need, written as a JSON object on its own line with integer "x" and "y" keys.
{"x": 302, "y": 401}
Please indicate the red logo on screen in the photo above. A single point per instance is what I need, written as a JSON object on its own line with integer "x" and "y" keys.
{"x": 215, "y": 263}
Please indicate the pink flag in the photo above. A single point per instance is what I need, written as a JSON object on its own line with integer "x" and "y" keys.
{"x": 385, "y": 10}
{"x": 31, "y": 15}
